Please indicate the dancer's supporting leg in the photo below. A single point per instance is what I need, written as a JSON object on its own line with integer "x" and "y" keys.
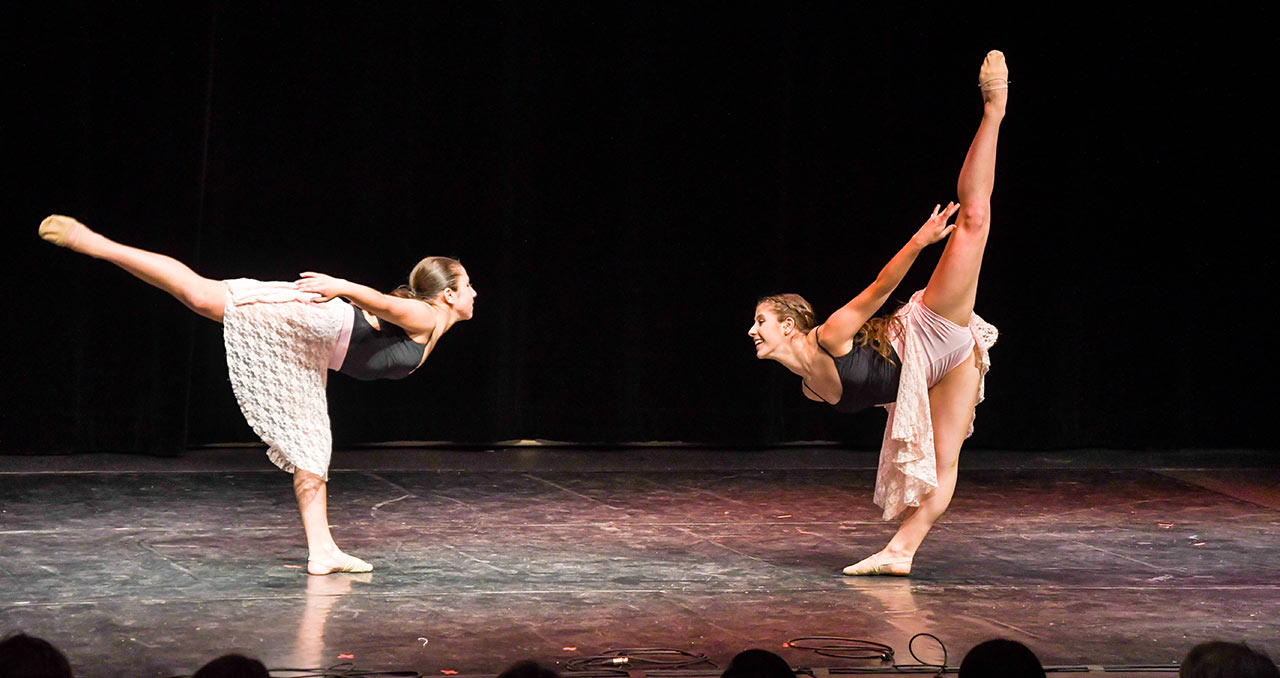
{"x": 951, "y": 403}
{"x": 207, "y": 298}
{"x": 323, "y": 554}
{"x": 950, "y": 293}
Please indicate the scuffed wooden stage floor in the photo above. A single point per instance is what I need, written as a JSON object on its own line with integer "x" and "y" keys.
{"x": 142, "y": 566}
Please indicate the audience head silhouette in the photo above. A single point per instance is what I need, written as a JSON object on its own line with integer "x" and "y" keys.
{"x": 1001, "y": 658}
{"x": 757, "y": 664}
{"x": 23, "y": 656}
{"x": 528, "y": 669}
{"x": 232, "y": 666}
{"x": 1220, "y": 659}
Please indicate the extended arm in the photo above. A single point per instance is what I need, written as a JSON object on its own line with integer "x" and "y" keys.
{"x": 412, "y": 315}
{"x": 840, "y": 328}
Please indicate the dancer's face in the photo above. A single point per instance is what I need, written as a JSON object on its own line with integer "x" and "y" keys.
{"x": 766, "y": 331}
{"x": 465, "y": 300}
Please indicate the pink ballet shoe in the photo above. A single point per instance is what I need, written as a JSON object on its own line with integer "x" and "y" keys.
{"x": 994, "y": 73}
{"x": 878, "y": 564}
{"x": 61, "y": 231}
{"x": 347, "y": 563}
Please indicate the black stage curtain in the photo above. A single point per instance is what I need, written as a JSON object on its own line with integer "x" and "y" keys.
{"x": 623, "y": 180}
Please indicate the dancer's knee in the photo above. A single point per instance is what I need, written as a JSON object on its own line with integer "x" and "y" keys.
{"x": 974, "y": 216}
{"x": 304, "y": 477}
{"x": 307, "y": 486}
{"x": 207, "y": 300}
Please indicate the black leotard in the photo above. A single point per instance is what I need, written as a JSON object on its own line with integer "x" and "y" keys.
{"x": 386, "y": 353}
{"x": 866, "y": 378}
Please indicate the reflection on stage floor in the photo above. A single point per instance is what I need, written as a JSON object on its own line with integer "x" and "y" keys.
{"x": 146, "y": 566}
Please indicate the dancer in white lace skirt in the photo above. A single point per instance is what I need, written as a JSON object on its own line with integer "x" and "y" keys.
{"x": 925, "y": 363}
{"x": 282, "y": 338}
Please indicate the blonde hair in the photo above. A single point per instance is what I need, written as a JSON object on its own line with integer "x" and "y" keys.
{"x": 791, "y": 306}
{"x": 875, "y": 333}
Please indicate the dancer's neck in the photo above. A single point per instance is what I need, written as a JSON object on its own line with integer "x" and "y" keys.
{"x": 798, "y": 355}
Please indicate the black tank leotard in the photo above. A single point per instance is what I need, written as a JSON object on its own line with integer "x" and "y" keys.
{"x": 866, "y": 378}
{"x": 386, "y": 353}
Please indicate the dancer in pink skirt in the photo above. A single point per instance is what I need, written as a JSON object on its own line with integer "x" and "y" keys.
{"x": 925, "y": 363}
{"x": 282, "y": 338}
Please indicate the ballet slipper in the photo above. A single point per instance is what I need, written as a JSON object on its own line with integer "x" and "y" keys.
{"x": 346, "y": 563}
{"x": 994, "y": 73}
{"x": 61, "y": 231}
{"x": 879, "y": 564}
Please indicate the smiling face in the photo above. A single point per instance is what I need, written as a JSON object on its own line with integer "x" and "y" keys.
{"x": 767, "y": 331}
{"x": 779, "y": 319}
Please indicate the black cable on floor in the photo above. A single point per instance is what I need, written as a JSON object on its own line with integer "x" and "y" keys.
{"x": 639, "y": 658}
{"x": 597, "y": 673}
{"x": 920, "y": 664}
{"x": 857, "y": 648}
{"x": 843, "y": 648}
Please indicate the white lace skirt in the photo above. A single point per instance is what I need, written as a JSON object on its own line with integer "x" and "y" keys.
{"x": 279, "y": 348}
{"x": 908, "y": 461}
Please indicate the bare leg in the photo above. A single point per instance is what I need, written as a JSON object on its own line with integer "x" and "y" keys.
{"x": 207, "y": 297}
{"x": 951, "y": 404}
{"x": 954, "y": 285}
{"x": 951, "y": 293}
{"x": 323, "y": 554}
{"x": 200, "y": 294}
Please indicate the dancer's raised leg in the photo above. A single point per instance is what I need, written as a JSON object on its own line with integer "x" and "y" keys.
{"x": 954, "y": 285}
{"x": 323, "y": 554}
{"x": 951, "y": 293}
{"x": 202, "y": 295}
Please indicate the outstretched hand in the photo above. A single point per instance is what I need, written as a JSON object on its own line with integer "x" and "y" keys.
{"x": 327, "y": 287}
{"x": 937, "y": 228}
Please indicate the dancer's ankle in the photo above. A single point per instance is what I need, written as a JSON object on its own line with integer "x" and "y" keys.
{"x": 895, "y": 553}
{"x": 324, "y": 553}
{"x": 91, "y": 243}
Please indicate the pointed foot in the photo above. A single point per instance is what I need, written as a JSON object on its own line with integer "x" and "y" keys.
{"x": 339, "y": 563}
{"x": 62, "y": 231}
{"x": 880, "y": 564}
{"x": 993, "y": 79}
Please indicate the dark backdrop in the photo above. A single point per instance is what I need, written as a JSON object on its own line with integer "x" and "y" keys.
{"x": 622, "y": 182}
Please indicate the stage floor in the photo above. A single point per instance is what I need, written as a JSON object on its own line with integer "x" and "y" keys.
{"x": 143, "y": 566}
